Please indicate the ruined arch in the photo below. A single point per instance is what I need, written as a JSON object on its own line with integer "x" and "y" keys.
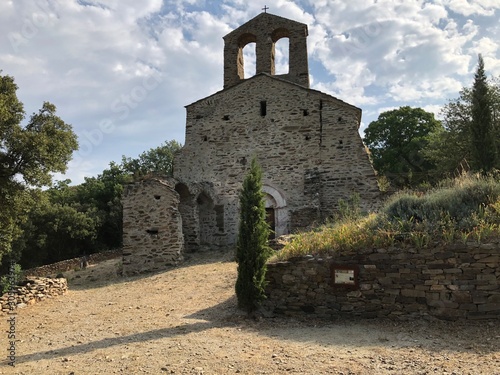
{"x": 207, "y": 219}
{"x": 276, "y": 207}
{"x": 190, "y": 223}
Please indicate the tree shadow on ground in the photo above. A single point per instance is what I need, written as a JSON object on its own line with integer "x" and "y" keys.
{"x": 435, "y": 336}
{"x": 114, "y": 341}
{"x": 432, "y": 336}
{"x": 222, "y": 315}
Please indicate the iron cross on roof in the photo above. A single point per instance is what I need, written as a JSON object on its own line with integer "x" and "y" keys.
{"x": 265, "y": 8}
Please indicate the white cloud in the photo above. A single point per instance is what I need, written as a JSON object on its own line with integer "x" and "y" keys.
{"x": 471, "y": 7}
{"x": 406, "y": 49}
{"x": 433, "y": 108}
{"x": 100, "y": 61}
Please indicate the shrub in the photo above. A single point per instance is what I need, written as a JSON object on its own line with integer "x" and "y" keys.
{"x": 14, "y": 277}
{"x": 252, "y": 249}
{"x": 466, "y": 209}
{"x": 460, "y": 203}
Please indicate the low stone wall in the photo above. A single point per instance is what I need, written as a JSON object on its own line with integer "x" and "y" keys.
{"x": 459, "y": 281}
{"x": 35, "y": 289}
{"x": 71, "y": 264}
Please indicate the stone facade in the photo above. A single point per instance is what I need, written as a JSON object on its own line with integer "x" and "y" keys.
{"x": 152, "y": 226}
{"x": 306, "y": 141}
{"x": 454, "y": 282}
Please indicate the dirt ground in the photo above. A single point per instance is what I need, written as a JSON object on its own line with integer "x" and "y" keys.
{"x": 185, "y": 321}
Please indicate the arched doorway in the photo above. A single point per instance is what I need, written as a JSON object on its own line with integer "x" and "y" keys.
{"x": 271, "y": 214}
{"x": 189, "y": 218}
{"x": 207, "y": 219}
{"x": 276, "y": 210}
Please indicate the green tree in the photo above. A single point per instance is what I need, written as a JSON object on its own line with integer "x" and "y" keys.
{"x": 158, "y": 161}
{"x": 252, "y": 249}
{"x": 54, "y": 232}
{"x": 454, "y": 147}
{"x": 91, "y": 212}
{"x": 102, "y": 196}
{"x": 482, "y": 141}
{"x": 28, "y": 156}
{"x": 396, "y": 141}
{"x": 68, "y": 221}
{"x": 449, "y": 147}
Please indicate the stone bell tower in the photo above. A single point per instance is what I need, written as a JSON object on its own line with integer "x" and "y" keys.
{"x": 265, "y": 30}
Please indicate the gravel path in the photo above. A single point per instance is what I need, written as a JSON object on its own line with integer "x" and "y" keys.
{"x": 184, "y": 321}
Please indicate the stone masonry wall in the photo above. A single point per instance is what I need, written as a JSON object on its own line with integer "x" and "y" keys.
{"x": 306, "y": 142}
{"x": 35, "y": 289}
{"x": 460, "y": 281}
{"x": 71, "y": 264}
{"x": 265, "y": 30}
{"x": 152, "y": 226}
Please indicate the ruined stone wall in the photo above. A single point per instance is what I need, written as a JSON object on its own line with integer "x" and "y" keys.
{"x": 152, "y": 226}
{"x": 71, "y": 264}
{"x": 34, "y": 289}
{"x": 345, "y": 165}
{"x": 460, "y": 281}
{"x": 306, "y": 142}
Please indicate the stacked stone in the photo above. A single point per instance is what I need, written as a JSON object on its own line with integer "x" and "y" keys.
{"x": 71, "y": 264}
{"x": 36, "y": 289}
{"x": 453, "y": 282}
{"x": 152, "y": 226}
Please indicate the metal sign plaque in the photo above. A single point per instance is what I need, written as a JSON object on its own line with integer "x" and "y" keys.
{"x": 344, "y": 276}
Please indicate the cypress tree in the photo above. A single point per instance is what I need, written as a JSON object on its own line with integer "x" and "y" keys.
{"x": 482, "y": 139}
{"x": 252, "y": 249}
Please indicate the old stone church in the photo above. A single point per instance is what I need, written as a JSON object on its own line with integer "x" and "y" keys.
{"x": 306, "y": 142}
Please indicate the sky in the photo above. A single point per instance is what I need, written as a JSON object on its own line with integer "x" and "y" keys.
{"x": 122, "y": 71}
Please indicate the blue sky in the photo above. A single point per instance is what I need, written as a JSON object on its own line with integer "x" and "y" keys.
{"x": 121, "y": 72}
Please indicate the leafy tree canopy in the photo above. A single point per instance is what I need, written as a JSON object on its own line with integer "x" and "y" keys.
{"x": 157, "y": 161}
{"x": 396, "y": 140}
{"x": 28, "y": 155}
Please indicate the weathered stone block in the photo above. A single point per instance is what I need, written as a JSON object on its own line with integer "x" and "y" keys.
{"x": 412, "y": 293}
{"x": 489, "y": 307}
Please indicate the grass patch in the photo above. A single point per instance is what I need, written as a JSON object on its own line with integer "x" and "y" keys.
{"x": 460, "y": 210}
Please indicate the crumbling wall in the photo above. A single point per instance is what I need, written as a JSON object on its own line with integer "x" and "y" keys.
{"x": 152, "y": 226}
{"x": 34, "y": 289}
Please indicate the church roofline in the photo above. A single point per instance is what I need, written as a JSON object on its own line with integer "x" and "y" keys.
{"x": 243, "y": 82}
{"x": 270, "y": 17}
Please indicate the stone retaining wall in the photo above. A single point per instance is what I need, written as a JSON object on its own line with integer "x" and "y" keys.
{"x": 35, "y": 289}
{"x": 459, "y": 281}
{"x": 71, "y": 264}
